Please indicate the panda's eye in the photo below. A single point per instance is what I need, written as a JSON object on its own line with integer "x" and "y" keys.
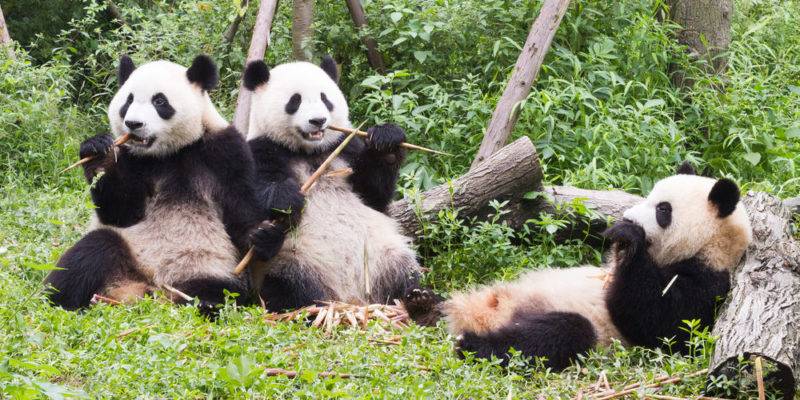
{"x": 327, "y": 102}
{"x": 664, "y": 214}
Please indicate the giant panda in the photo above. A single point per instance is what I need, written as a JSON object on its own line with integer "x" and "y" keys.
{"x": 690, "y": 229}
{"x": 174, "y": 205}
{"x": 340, "y": 245}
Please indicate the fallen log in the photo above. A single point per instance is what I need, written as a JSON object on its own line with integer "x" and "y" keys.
{"x": 761, "y": 317}
{"x": 509, "y": 173}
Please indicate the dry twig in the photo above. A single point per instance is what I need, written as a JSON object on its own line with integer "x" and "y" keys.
{"x": 331, "y": 314}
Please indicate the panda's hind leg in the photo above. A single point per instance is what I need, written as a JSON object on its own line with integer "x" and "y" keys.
{"x": 99, "y": 263}
{"x": 422, "y": 306}
{"x": 557, "y": 336}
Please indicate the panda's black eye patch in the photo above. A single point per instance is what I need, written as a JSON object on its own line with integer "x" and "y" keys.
{"x": 327, "y": 102}
{"x": 162, "y": 106}
{"x": 294, "y": 103}
{"x": 124, "y": 109}
{"x": 664, "y": 214}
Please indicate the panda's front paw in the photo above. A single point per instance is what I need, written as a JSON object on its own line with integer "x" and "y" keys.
{"x": 96, "y": 146}
{"x": 628, "y": 236}
{"x": 267, "y": 240}
{"x": 385, "y": 138}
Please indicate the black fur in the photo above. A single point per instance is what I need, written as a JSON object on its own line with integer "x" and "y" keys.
{"x": 203, "y": 72}
{"x": 255, "y": 74}
{"x": 327, "y": 102}
{"x": 126, "y": 68}
{"x": 267, "y": 239}
{"x": 124, "y": 109}
{"x": 557, "y": 336}
{"x": 293, "y": 104}
{"x": 376, "y": 164}
{"x": 290, "y": 290}
{"x": 221, "y": 158}
{"x": 686, "y": 168}
{"x": 724, "y": 195}
{"x": 162, "y": 106}
{"x": 634, "y": 298}
{"x": 87, "y": 267}
{"x": 329, "y": 66}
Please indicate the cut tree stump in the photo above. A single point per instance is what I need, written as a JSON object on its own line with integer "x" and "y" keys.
{"x": 761, "y": 317}
{"x": 511, "y": 172}
{"x": 525, "y": 71}
{"x": 258, "y": 47}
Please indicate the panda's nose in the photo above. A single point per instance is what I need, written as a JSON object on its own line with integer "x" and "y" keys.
{"x": 318, "y": 122}
{"x": 134, "y": 125}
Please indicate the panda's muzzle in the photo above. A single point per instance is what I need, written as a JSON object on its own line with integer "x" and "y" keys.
{"x": 141, "y": 141}
{"x": 312, "y": 136}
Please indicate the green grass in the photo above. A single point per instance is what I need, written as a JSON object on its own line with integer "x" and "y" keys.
{"x": 602, "y": 114}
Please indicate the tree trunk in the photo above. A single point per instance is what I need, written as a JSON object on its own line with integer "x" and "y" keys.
{"x": 525, "y": 71}
{"x": 302, "y": 18}
{"x": 5, "y": 37}
{"x": 233, "y": 28}
{"x": 258, "y": 46}
{"x": 706, "y": 30}
{"x": 360, "y": 21}
{"x": 761, "y": 317}
{"x": 509, "y": 173}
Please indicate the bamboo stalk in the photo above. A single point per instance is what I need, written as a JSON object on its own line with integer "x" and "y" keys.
{"x": 405, "y": 145}
{"x": 634, "y": 388}
{"x": 178, "y": 292}
{"x": 760, "y": 379}
{"x": 119, "y": 142}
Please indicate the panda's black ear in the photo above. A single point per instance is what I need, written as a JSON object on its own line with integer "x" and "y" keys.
{"x": 126, "y": 67}
{"x": 329, "y": 66}
{"x": 255, "y": 74}
{"x": 203, "y": 72}
{"x": 686, "y": 169}
{"x": 724, "y": 195}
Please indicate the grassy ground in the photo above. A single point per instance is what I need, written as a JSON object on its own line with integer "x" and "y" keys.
{"x": 602, "y": 114}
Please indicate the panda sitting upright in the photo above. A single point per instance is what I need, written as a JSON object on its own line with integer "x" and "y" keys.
{"x": 340, "y": 245}
{"x": 669, "y": 262}
{"x": 174, "y": 204}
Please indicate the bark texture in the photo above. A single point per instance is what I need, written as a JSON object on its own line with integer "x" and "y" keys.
{"x": 509, "y": 173}
{"x": 762, "y": 314}
{"x": 525, "y": 71}
{"x": 5, "y": 37}
{"x": 258, "y": 47}
{"x": 302, "y": 18}
{"x": 360, "y": 21}
{"x": 706, "y": 30}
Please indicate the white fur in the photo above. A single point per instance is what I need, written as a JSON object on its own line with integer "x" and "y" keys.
{"x": 193, "y": 108}
{"x": 268, "y": 108}
{"x": 694, "y": 223}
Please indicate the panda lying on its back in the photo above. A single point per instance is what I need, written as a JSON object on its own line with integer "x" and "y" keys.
{"x": 689, "y": 226}
{"x": 174, "y": 204}
{"x": 340, "y": 232}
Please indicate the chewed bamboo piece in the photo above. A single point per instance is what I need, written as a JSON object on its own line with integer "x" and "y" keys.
{"x": 119, "y": 142}
{"x": 304, "y": 189}
{"x": 404, "y": 145}
{"x": 331, "y": 314}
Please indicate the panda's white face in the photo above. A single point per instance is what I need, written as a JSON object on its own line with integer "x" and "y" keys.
{"x": 161, "y": 108}
{"x": 680, "y": 221}
{"x": 295, "y": 107}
